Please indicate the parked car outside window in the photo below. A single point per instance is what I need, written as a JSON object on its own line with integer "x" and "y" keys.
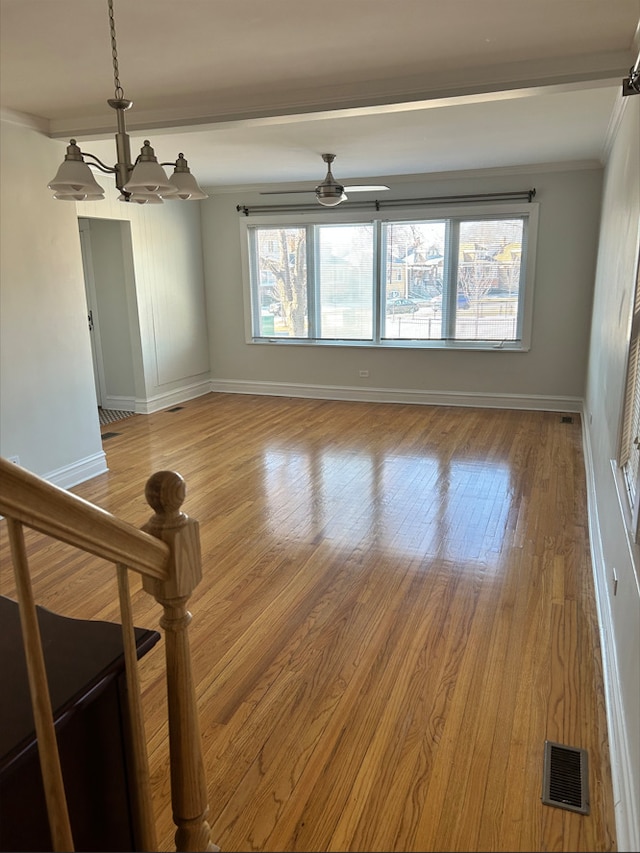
{"x": 401, "y": 305}
{"x": 436, "y": 302}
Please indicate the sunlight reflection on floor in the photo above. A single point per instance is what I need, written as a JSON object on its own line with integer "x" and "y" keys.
{"x": 460, "y": 508}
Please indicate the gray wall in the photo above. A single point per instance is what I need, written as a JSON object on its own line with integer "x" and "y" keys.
{"x": 554, "y": 367}
{"x": 612, "y": 546}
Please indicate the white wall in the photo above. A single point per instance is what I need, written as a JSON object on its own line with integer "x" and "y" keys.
{"x": 48, "y": 414}
{"x": 170, "y": 302}
{"x": 611, "y": 543}
{"x": 551, "y": 375}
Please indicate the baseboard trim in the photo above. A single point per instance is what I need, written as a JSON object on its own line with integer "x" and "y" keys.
{"x": 171, "y": 398}
{"x": 121, "y": 404}
{"x": 626, "y": 815}
{"x": 393, "y": 395}
{"x": 78, "y": 472}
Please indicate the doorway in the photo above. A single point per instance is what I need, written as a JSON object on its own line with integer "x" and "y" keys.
{"x": 108, "y": 274}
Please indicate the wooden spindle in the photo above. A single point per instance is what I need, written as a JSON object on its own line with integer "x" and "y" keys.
{"x": 165, "y": 492}
{"x": 141, "y": 794}
{"x": 54, "y": 793}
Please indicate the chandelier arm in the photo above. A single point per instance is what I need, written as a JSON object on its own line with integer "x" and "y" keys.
{"x": 99, "y": 164}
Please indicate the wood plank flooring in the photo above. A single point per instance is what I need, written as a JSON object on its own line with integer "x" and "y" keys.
{"x": 397, "y": 610}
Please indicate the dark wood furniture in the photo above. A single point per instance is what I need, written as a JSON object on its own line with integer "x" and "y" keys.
{"x": 85, "y": 671}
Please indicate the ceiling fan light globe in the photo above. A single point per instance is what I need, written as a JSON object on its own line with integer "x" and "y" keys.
{"x": 332, "y": 202}
{"x": 330, "y": 196}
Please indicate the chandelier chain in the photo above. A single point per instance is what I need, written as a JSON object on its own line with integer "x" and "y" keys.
{"x": 119, "y": 91}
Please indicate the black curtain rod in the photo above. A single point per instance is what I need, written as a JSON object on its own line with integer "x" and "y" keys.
{"x": 376, "y": 204}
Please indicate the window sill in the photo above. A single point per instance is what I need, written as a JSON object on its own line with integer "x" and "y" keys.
{"x": 465, "y": 346}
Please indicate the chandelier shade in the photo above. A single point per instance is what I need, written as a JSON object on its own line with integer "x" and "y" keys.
{"x": 148, "y": 176}
{"x": 142, "y": 198}
{"x": 60, "y": 196}
{"x": 184, "y": 183}
{"x": 74, "y": 177}
{"x": 142, "y": 182}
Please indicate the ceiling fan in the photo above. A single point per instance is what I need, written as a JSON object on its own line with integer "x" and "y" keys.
{"x": 330, "y": 193}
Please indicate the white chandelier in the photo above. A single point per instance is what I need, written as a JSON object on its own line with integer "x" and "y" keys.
{"x": 144, "y": 182}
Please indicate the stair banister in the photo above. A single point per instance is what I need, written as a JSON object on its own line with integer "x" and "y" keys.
{"x": 165, "y": 493}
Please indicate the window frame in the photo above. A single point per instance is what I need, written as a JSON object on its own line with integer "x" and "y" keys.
{"x": 496, "y": 210}
{"x": 629, "y": 441}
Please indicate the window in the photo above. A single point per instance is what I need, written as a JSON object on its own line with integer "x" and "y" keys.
{"x": 629, "y": 455}
{"x": 462, "y": 281}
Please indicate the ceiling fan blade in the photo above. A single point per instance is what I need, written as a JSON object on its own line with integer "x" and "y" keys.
{"x": 362, "y": 188}
{"x": 355, "y": 189}
{"x": 287, "y": 192}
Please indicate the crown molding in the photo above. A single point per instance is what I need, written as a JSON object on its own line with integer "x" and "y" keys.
{"x": 41, "y": 125}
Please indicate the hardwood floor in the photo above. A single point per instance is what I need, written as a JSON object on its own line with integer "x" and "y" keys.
{"x": 397, "y": 610}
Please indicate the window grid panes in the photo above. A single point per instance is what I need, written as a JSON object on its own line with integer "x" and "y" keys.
{"x": 279, "y": 281}
{"x": 345, "y": 262}
{"x": 444, "y": 281}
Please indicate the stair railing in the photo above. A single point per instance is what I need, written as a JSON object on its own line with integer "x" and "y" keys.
{"x": 166, "y": 553}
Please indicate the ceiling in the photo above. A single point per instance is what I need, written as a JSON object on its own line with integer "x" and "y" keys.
{"x": 254, "y": 91}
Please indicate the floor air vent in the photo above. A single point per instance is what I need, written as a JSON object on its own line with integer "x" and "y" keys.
{"x": 565, "y": 782}
{"x": 176, "y": 409}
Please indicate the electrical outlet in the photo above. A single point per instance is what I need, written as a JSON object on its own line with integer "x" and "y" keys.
{"x": 15, "y": 459}
{"x": 363, "y": 374}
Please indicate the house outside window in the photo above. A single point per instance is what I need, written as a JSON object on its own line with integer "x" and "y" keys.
{"x": 462, "y": 280}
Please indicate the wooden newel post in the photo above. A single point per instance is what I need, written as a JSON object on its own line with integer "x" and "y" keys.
{"x": 165, "y": 492}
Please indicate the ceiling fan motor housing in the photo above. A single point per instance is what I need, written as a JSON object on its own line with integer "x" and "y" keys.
{"x": 330, "y": 192}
